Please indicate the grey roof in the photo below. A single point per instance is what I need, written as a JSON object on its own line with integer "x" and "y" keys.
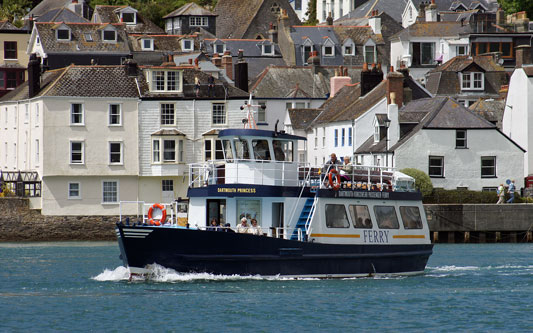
{"x": 302, "y": 118}
{"x": 190, "y": 9}
{"x": 171, "y": 132}
{"x": 164, "y": 43}
{"x": 316, "y": 34}
{"x": 7, "y": 26}
{"x": 108, "y": 14}
{"x": 393, "y": 8}
{"x": 78, "y": 42}
{"x": 457, "y": 16}
{"x": 277, "y": 81}
{"x": 432, "y": 29}
{"x": 491, "y": 109}
{"x": 449, "y": 5}
{"x": 46, "y": 5}
{"x": 61, "y": 15}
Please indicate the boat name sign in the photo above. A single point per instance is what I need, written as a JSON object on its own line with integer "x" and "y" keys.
{"x": 363, "y": 194}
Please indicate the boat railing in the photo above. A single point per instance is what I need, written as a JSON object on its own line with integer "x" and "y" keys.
{"x": 275, "y": 232}
{"x": 141, "y": 212}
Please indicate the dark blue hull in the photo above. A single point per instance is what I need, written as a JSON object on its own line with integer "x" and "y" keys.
{"x": 188, "y": 250}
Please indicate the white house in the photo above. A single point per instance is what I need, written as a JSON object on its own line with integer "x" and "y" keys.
{"x": 300, "y": 8}
{"x": 518, "y": 113}
{"x": 449, "y": 142}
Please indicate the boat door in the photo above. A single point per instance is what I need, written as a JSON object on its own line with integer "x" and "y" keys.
{"x": 216, "y": 208}
{"x": 277, "y": 218}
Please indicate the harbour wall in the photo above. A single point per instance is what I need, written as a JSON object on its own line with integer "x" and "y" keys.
{"x": 471, "y": 223}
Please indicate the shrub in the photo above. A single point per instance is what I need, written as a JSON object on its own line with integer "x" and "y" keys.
{"x": 422, "y": 180}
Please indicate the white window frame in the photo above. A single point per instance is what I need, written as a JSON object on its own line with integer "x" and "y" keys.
{"x": 198, "y": 21}
{"x": 119, "y": 115}
{"x": 459, "y": 53}
{"x": 469, "y": 79}
{"x": 167, "y": 116}
{"x": 216, "y": 45}
{"x": 74, "y": 197}
{"x": 114, "y": 40}
{"x": 156, "y": 153}
{"x": 82, "y": 159}
{"x": 104, "y": 202}
{"x": 183, "y": 41}
{"x": 307, "y": 43}
{"x": 441, "y": 175}
{"x": 375, "y": 55}
{"x": 213, "y": 116}
{"x": 82, "y": 122}
{"x": 149, "y": 48}
{"x": 128, "y": 11}
{"x": 264, "y": 52}
{"x": 166, "y": 81}
{"x": 328, "y": 44}
{"x": 121, "y": 152}
{"x": 348, "y": 43}
{"x": 213, "y": 151}
{"x": 64, "y": 39}
{"x": 26, "y": 113}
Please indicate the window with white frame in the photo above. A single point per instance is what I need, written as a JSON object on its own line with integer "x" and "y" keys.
{"x": 76, "y": 114}
{"x": 156, "y": 150}
{"x": 109, "y": 35}
{"x": 316, "y": 138}
{"x": 110, "y": 191}
{"x": 128, "y": 17}
{"x": 115, "y": 115}
{"x": 169, "y": 150}
{"x": 472, "y": 81}
{"x": 14, "y": 156}
{"x": 323, "y": 137}
{"x": 488, "y": 166}
{"x": 376, "y": 132}
{"x": 37, "y": 156}
{"x": 423, "y": 53}
{"x": 187, "y": 45}
{"x": 74, "y": 190}
{"x": 76, "y": 152}
{"x": 115, "y": 153}
{"x": 213, "y": 149}
{"x": 167, "y": 114}
{"x": 370, "y": 54}
{"x": 436, "y": 166}
{"x": 26, "y": 113}
{"x": 261, "y": 112}
{"x": 460, "y": 139}
{"x": 348, "y": 48}
{"x": 167, "y": 185}
{"x": 63, "y": 34}
{"x": 220, "y": 48}
{"x": 166, "y": 81}
{"x": 343, "y": 135}
{"x": 198, "y": 21}
{"x": 350, "y": 136}
{"x": 306, "y": 51}
{"x": 219, "y": 114}
{"x": 268, "y": 49}
{"x": 328, "y": 49}
{"x": 147, "y": 44}
{"x": 462, "y": 50}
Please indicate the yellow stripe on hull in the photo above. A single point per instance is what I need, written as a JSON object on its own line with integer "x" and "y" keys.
{"x": 408, "y": 236}
{"x": 336, "y": 235}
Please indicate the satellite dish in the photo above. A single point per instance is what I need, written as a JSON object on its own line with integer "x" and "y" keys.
{"x": 500, "y": 62}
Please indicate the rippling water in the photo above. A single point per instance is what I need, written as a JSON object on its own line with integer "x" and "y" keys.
{"x": 83, "y": 287}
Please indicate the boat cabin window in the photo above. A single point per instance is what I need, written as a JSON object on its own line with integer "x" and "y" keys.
{"x": 261, "y": 150}
{"x": 386, "y": 217}
{"x": 283, "y": 150}
{"x": 336, "y": 217}
{"x": 360, "y": 216}
{"x": 411, "y": 217}
{"x": 241, "y": 149}
{"x": 228, "y": 153}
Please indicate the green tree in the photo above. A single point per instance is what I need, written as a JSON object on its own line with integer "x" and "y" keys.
{"x": 422, "y": 180}
{"x": 14, "y": 10}
{"x": 514, "y": 6}
{"x": 311, "y": 13}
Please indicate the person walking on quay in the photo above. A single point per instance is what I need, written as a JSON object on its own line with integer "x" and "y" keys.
{"x": 501, "y": 194}
{"x": 511, "y": 190}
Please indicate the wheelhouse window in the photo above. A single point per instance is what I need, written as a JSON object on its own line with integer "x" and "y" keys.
{"x": 110, "y": 191}
{"x": 283, "y": 150}
{"x": 115, "y": 153}
{"x": 76, "y": 152}
{"x": 411, "y": 217}
{"x": 166, "y": 81}
{"x": 261, "y": 150}
{"x": 228, "y": 153}
{"x": 115, "y": 115}
{"x": 241, "y": 149}
{"x": 219, "y": 114}
{"x": 336, "y": 216}
{"x": 386, "y": 217}
{"x": 488, "y": 166}
{"x": 76, "y": 114}
{"x": 436, "y": 166}
{"x": 460, "y": 139}
{"x": 360, "y": 216}
{"x": 10, "y": 50}
{"x": 167, "y": 114}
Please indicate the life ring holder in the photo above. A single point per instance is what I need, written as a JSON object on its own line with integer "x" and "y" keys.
{"x": 154, "y": 221}
{"x": 333, "y": 173}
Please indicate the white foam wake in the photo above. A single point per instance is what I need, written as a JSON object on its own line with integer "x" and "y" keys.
{"x": 118, "y": 274}
{"x": 453, "y": 268}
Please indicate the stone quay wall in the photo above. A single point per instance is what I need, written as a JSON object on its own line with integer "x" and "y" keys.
{"x": 454, "y": 223}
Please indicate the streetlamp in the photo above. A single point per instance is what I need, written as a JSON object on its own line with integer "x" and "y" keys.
{"x": 387, "y": 124}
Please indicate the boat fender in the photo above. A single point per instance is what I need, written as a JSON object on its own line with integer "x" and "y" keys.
{"x": 334, "y": 175}
{"x": 155, "y": 221}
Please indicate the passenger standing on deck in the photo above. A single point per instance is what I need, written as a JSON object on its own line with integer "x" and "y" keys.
{"x": 511, "y": 191}
{"x": 332, "y": 163}
{"x": 501, "y": 194}
{"x": 243, "y": 227}
{"x": 346, "y": 169}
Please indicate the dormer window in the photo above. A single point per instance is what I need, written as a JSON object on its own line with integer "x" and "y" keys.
{"x": 268, "y": 49}
{"x": 187, "y": 45}
{"x": 88, "y": 37}
{"x": 219, "y": 48}
{"x": 129, "y": 18}
{"x": 109, "y": 36}
{"x": 147, "y": 44}
{"x": 63, "y": 34}
{"x": 348, "y": 49}
{"x": 472, "y": 81}
{"x": 166, "y": 81}
{"x": 198, "y": 21}
{"x": 328, "y": 50}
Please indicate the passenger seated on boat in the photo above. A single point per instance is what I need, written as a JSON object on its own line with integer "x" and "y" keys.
{"x": 227, "y": 228}
{"x": 261, "y": 150}
{"x": 243, "y": 227}
{"x": 331, "y": 164}
{"x": 346, "y": 169}
{"x": 279, "y": 154}
{"x": 254, "y": 229}
{"x": 213, "y": 225}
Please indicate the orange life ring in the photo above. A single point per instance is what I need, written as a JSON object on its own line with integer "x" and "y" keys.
{"x": 335, "y": 185}
{"x": 153, "y": 221}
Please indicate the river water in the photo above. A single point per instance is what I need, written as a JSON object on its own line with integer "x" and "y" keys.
{"x": 80, "y": 286}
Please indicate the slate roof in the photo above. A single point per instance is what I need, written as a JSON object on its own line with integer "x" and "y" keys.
{"x": 317, "y": 34}
{"x": 528, "y": 69}
{"x": 190, "y": 9}
{"x": 61, "y": 15}
{"x": 448, "y": 5}
{"x": 235, "y": 18}
{"x": 389, "y": 26}
{"x": 78, "y": 43}
{"x": 108, "y": 14}
{"x": 302, "y": 118}
{"x": 359, "y": 34}
{"x": 6, "y": 25}
{"x": 457, "y": 16}
{"x": 46, "y": 5}
{"x": 393, "y": 8}
{"x": 432, "y": 29}
{"x": 444, "y": 79}
{"x": 167, "y": 43}
{"x": 491, "y": 109}
{"x": 277, "y": 81}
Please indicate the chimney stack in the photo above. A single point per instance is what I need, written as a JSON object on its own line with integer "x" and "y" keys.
{"x": 241, "y": 72}
{"x": 340, "y": 79}
{"x": 273, "y": 33}
{"x": 500, "y": 17}
{"x": 131, "y": 67}
{"x": 395, "y": 86}
{"x": 217, "y": 61}
{"x": 422, "y": 11}
{"x": 227, "y": 63}
{"x": 393, "y": 132}
{"x": 523, "y": 55}
{"x": 370, "y": 78}
{"x": 431, "y": 12}
{"x": 329, "y": 19}
{"x": 375, "y": 23}
{"x": 314, "y": 61}
{"x": 34, "y": 75}
{"x": 503, "y": 92}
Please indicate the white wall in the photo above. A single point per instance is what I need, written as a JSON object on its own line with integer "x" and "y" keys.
{"x": 462, "y": 167}
{"x": 409, "y": 16}
{"x": 517, "y": 118}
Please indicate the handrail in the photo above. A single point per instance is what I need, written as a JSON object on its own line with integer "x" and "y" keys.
{"x": 310, "y": 217}
{"x": 306, "y": 179}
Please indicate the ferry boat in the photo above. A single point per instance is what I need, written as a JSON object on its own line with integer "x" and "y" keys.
{"x": 326, "y": 222}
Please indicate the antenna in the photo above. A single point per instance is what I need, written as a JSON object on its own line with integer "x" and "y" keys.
{"x": 250, "y": 121}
